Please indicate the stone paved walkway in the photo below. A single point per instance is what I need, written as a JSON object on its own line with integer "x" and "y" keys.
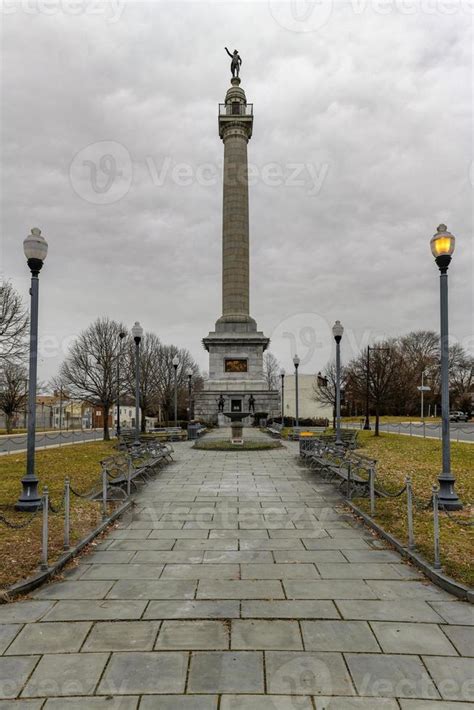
{"x": 238, "y": 584}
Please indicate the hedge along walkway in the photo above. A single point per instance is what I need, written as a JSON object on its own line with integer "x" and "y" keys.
{"x": 20, "y": 550}
{"x": 239, "y": 581}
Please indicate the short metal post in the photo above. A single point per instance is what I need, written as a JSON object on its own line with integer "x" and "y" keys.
{"x": 67, "y": 521}
{"x": 349, "y": 472}
{"x": 129, "y": 476}
{"x": 437, "y": 557}
{"x": 411, "y": 539}
{"x": 104, "y": 492}
{"x": 424, "y": 430}
{"x": 372, "y": 490}
{"x": 44, "y": 546}
{"x": 410, "y": 428}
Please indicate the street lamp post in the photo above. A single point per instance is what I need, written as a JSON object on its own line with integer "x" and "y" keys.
{"x": 137, "y": 333}
{"x": 282, "y": 375}
{"x": 367, "y": 392}
{"x": 296, "y": 363}
{"x": 424, "y": 388}
{"x": 337, "y": 331}
{"x": 189, "y": 373}
{"x": 175, "y": 366}
{"x": 442, "y": 248}
{"x": 35, "y": 248}
{"x": 119, "y": 357}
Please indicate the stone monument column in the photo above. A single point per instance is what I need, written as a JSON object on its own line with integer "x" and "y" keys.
{"x": 235, "y": 129}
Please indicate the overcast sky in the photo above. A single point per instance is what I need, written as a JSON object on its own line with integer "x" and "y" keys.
{"x": 361, "y": 146}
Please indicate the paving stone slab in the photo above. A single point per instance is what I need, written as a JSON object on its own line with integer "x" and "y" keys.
{"x": 407, "y": 590}
{"x": 207, "y": 544}
{"x": 244, "y": 557}
{"x": 331, "y": 544}
{"x": 144, "y": 673}
{"x": 390, "y": 676}
{"x": 179, "y": 702}
{"x": 131, "y": 571}
{"x": 377, "y": 556}
{"x": 193, "y": 635}
{"x": 453, "y": 612}
{"x": 92, "y": 703}
{"x": 120, "y": 534}
{"x": 313, "y": 557}
{"x": 178, "y": 534}
{"x": 261, "y": 544}
{"x": 7, "y": 634}
{"x": 326, "y": 589}
{"x": 108, "y": 557}
{"x": 433, "y": 705}
{"x": 226, "y": 672}
{"x": 306, "y": 673}
{"x": 151, "y": 589}
{"x": 349, "y": 570}
{"x": 253, "y": 635}
{"x": 290, "y": 609}
{"x": 453, "y": 677}
{"x": 239, "y": 589}
{"x": 412, "y": 638}
{"x": 192, "y": 610}
{"x": 397, "y": 610}
{"x": 49, "y": 638}
{"x": 279, "y": 571}
{"x": 14, "y": 672}
{"x": 75, "y": 589}
{"x": 339, "y": 636}
{"x": 21, "y": 704}
{"x": 355, "y": 704}
{"x": 24, "y": 612}
{"x": 201, "y": 571}
{"x": 264, "y": 702}
{"x": 237, "y": 534}
{"x": 462, "y": 637}
{"x": 134, "y": 545}
{"x": 122, "y": 636}
{"x": 168, "y": 557}
{"x": 66, "y": 674}
{"x": 106, "y": 610}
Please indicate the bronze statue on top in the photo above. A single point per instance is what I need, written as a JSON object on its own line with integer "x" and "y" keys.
{"x": 235, "y": 63}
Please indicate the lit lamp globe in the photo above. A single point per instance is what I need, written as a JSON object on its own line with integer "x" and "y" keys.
{"x": 337, "y": 331}
{"x": 442, "y": 246}
{"x": 137, "y": 332}
{"x": 35, "y": 248}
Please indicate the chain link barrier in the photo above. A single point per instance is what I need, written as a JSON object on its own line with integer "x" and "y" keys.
{"x": 19, "y": 526}
{"x": 462, "y": 523}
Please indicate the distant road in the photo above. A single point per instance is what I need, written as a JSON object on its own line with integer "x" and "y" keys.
{"x": 462, "y": 431}
{"x": 17, "y": 442}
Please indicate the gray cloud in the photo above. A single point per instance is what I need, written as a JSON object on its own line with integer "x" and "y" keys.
{"x": 377, "y": 104}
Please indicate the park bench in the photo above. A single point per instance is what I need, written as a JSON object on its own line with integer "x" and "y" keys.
{"x": 170, "y": 433}
{"x": 354, "y": 471}
{"x": 295, "y": 433}
{"x": 125, "y": 470}
{"x": 274, "y": 431}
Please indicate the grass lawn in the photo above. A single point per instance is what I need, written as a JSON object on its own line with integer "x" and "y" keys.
{"x": 390, "y": 420}
{"x": 399, "y": 456}
{"x": 20, "y": 549}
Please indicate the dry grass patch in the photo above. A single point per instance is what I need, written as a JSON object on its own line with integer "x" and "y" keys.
{"x": 20, "y": 550}
{"x": 399, "y": 456}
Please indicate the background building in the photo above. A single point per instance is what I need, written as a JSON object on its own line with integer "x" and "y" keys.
{"x": 309, "y": 407}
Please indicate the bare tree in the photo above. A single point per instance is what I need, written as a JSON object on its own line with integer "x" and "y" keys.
{"x": 12, "y": 391}
{"x": 165, "y": 383}
{"x": 324, "y": 387}
{"x": 385, "y": 362}
{"x": 90, "y": 371}
{"x": 271, "y": 370}
{"x": 149, "y": 364}
{"x": 13, "y": 324}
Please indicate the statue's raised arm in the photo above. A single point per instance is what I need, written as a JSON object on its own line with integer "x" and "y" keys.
{"x": 235, "y": 63}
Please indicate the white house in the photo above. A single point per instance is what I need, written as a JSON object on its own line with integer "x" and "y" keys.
{"x": 308, "y": 406}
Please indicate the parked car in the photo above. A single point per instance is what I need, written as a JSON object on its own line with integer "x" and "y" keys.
{"x": 458, "y": 417}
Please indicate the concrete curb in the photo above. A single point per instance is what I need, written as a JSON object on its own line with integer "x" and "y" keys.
{"x": 436, "y": 576}
{"x": 33, "y": 582}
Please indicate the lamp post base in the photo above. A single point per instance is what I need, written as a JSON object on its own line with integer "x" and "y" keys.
{"x": 367, "y": 426}
{"x": 447, "y": 496}
{"x": 29, "y": 501}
